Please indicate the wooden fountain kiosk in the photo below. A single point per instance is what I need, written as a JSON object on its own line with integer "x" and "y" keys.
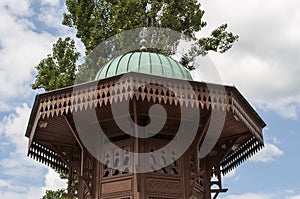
{"x": 57, "y": 135}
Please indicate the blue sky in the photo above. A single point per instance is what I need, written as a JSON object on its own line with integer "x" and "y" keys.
{"x": 264, "y": 65}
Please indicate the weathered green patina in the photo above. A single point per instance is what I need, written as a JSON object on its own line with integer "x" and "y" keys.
{"x": 144, "y": 62}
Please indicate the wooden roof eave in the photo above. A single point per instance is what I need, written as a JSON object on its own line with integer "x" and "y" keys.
{"x": 32, "y": 115}
{"x": 238, "y": 103}
{"x": 247, "y": 106}
{"x": 242, "y": 153}
{"x": 246, "y": 114}
{"x": 75, "y": 98}
{"x": 33, "y": 122}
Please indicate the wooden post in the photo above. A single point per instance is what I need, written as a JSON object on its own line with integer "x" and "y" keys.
{"x": 136, "y": 151}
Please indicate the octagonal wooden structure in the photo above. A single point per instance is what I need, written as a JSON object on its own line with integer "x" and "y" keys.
{"x": 54, "y": 137}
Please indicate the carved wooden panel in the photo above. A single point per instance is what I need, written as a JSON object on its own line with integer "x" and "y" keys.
{"x": 197, "y": 194}
{"x": 163, "y": 186}
{"x": 117, "y": 162}
{"x": 122, "y": 197}
{"x": 167, "y": 159}
{"x": 118, "y": 186}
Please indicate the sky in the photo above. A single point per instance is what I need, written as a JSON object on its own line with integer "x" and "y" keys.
{"x": 264, "y": 65}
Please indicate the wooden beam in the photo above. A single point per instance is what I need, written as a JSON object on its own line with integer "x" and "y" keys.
{"x": 74, "y": 132}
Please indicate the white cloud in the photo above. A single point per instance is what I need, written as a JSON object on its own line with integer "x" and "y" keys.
{"x": 20, "y": 50}
{"x": 274, "y": 140}
{"x": 231, "y": 174}
{"x": 4, "y": 183}
{"x": 264, "y": 63}
{"x": 289, "y": 191}
{"x": 260, "y": 196}
{"x": 295, "y": 197}
{"x": 14, "y": 125}
{"x": 53, "y": 181}
{"x": 32, "y": 192}
{"x": 248, "y": 196}
{"x": 50, "y": 2}
{"x": 16, "y": 7}
{"x": 22, "y": 46}
{"x": 51, "y": 15}
{"x": 17, "y": 166}
{"x": 267, "y": 154}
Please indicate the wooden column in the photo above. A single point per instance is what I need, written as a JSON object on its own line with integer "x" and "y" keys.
{"x": 136, "y": 183}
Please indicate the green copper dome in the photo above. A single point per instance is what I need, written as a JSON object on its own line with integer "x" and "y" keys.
{"x": 144, "y": 62}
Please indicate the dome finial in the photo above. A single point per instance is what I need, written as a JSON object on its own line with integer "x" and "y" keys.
{"x": 143, "y": 35}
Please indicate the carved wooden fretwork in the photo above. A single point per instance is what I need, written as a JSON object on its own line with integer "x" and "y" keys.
{"x": 212, "y": 176}
{"x": 117, "y": 162}
{"x": 149, "y": 89}
{"x": 196, "y": 175}
{"x": 241, "y": 154}
{"x": 164, "y": 162}
{"x": 197, "y": 194}
{"x": 88, "y": 176}
{"x": 48, "y": 157}
{"x": 74, "y": 184}
{"x": 81, "y": 176}
{"x": 95, "y": 95}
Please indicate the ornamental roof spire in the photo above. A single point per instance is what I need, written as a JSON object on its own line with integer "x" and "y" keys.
{"x": 143, "y": 35}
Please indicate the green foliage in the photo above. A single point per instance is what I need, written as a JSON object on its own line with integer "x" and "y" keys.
{"x": 57, "y": 70}
{"x": 58, "y": 194}
{"x": 62, "y": 175}
{"x": 219, "y": 41}
{"x": 97, "y": 20}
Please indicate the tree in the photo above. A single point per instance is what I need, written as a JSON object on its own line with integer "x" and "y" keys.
{"x": 97, "y": 20}
{"x": 54, "y": 194}
{"x": 57, "y": 70}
